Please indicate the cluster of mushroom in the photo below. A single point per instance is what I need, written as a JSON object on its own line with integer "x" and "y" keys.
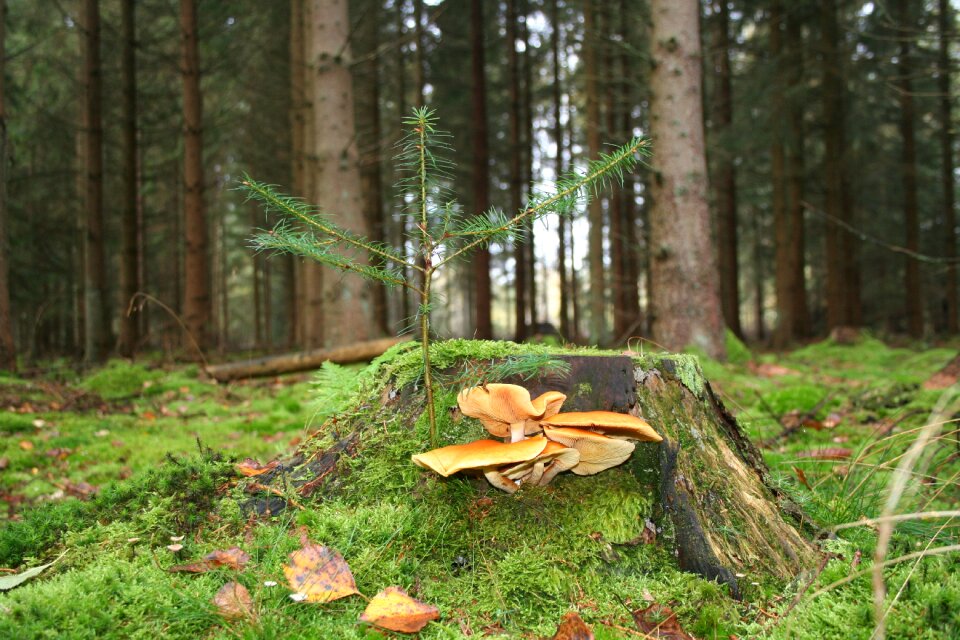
{"x": 539, "y": 441}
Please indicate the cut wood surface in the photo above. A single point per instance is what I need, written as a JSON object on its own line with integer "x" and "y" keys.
{"x": 301, "y": 361}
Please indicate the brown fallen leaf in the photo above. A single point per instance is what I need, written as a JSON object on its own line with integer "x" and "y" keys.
{"x": 234, "y": 558}
{"x": 26, "y": 445}
{"x": 572, "y": 627}
{"x": 660, "y": 621}
{"x": 829, "y": 453}
{"x": 251, "y": 467}
{"x": 802, "y": 477}
{"x": 234, "y": 601}
{"x": 394, "y": 610}
{"x": 319, "y": 574}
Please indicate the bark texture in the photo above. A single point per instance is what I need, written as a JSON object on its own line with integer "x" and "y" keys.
{"x": 197, "y": 301}
{"x": 481, "y": 169}
{"x": 911, "y": 210}
{"x": 347, "y": 301}
{"x": 595, "y": 208}
{"x": 685, "y": 300}
{"x": 952, "y": 321}
{"x": 97, "y": 318}
{"x": 8, "y": 355}
{"x": 130, "y": 257}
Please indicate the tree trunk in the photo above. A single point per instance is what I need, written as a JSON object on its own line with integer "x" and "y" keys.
{"x": 367, "y": 81}
{"x": 707, "y": 492}
{"x": 911, "y": 214}
{"x": 298, "y": 168}
{"x": 725, "y": 183}
{"x": 629, "y": 205}
{"x": 130, "y": 261}
{"x": 515, "y": 142}
{"x": 595, "y": 207}
{"x": 197, "y": 301}
{"x": 529, "y": 230}
{"x": 618, "y": 248}
{"x": 840, "y": 289}
{"x": 8, "y": 354}
{"x": 564, "y": 311}
{"x": 951, "y": 321}
{"x": 481, "y": 168}
{"x": 796, "y": 288}
{"x": 97, "y": 339}
{"x": 686, "y": 297}
{"x": 347, "y": 304}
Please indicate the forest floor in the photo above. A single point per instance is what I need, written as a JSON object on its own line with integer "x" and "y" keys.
{"x": 107, "y": 474}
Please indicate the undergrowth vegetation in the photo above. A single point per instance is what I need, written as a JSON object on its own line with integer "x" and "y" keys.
{"x": 511, "y": 568}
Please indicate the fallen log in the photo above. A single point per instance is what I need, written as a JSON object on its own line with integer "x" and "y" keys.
{"x": 300, "y": 361}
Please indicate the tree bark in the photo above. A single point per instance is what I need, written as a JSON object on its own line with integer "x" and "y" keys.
{"x": 595, "y": 207}
{"x": 686, "y": 297}
{"x": 841, "y": 290}
{"x": 481, "y": 169}
{"x": 197, "y": 301}
{"x": 367, "y": 81}
{"x": 945, "y": 22}
{"x": 97, "y": 335}
{"x": 130, "y": 262}
{"x": 515, "y": 142}
{"x": 630, "y": 241}
{"x": 298, "y": 168}
{"x": 564, "y": 311}
{"x": 612, "y": 80}
{"x": 725, "y": 183}
{"x": 911, "y": 213}
{"x": 347, "y": 303}
{"x": 529, "y": 230}
{"x": 8, "y": 354}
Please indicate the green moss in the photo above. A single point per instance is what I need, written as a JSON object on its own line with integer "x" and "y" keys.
{"x": 738, "y": 353}
{"x": 119, "y": 379}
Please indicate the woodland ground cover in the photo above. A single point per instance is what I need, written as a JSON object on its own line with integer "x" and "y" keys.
{"x": 105, "y": 468}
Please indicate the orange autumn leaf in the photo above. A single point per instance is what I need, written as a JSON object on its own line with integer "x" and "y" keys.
{"x": 394, "y": 610}
{"x": 234, "y": 601}
{"x": 251, "y": 467}
{"x": 319, "y": 574}
{"x": 659, "y": 621}
{"x": 572, "y": 627}
{"x": 234, "y": 558}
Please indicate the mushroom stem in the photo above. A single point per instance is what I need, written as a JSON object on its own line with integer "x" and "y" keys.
{"x": 517, "y": 431}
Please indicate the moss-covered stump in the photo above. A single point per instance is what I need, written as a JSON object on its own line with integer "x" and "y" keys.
{"x": 699, "y": 501}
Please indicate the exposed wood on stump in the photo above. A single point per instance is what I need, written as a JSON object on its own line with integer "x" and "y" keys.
{"x": 717, "y": 510}
{"x": 301, "y": 361}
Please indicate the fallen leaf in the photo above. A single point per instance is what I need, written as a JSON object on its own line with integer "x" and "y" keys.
{"x": 234, "y": 601}
{"x": 9, "y": 582}
{"x": 830, "y": 453}
{"x": 82, "y": 490}
{"x": 320, "y": 574}
{"x": 26, "y": 445}
{"x": 832, "y": 420}
{"x": 394, "y": 610}
{"x": 768, "y": 370}
{"x": 58, "y": 453}
{"x": 147, "y": 415}
{"x": 103, "y": 433}
{"x": 39, "y": 423}
{"x": 659, "y": 621}
{"x": 251, "y": 467}
{"x": 572, "y": 627}
{"x": 4, "y": 463}
{"x": 234, "y": 558}
{"x": 802, "y": 477}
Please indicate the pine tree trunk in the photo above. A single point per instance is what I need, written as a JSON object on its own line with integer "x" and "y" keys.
{"x": 529, "y": 231}
{"x": 725, "y": 177}
{"x": 796, "y": 288}
{"x": 564, "y": 311}
{"x": 8, "y": 354}
{"x": 618, "y": 248}
{"x": 911, "y": 214}
{"x": 840, "y": 292}
{"x": 197, "y": 300}
{"x": 97, "y": 338}
{"x": 515, "y": 142}
{"x": 347, "y": 301}
{"x": 481, "y": 168}
{"x": 945, "y": 22}
{"x": 367, "y": 81}
{"x": 630, "y": 240}
{"x": 686, "y": 297}
{"x": 130, "y": 262}
{"x": 298, "y": 167}
{"x": 595, "y": 208}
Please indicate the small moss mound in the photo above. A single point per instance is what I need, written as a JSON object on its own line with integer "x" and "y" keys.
{"x": 118, "y": 379}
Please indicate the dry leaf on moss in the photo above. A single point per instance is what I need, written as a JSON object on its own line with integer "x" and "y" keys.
{"x": 394, "y": 610}
{"x": 572, "y": 627}
{"x": 234, "y": 558}
{"x": 234, "y": 601}
{"x": 319, "y": 574}
{"x": 251, "y": 467}
{"x": 660, "y": 621}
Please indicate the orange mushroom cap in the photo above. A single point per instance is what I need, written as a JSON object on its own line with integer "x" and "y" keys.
{"x": 616, "y": 425}
{"x": 500, "y": 406}
{"x": 481, "y": 454}
{"x": 597, "y": 451}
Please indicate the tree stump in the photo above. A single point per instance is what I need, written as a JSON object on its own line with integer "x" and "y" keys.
{"x": 707, "y": 492}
